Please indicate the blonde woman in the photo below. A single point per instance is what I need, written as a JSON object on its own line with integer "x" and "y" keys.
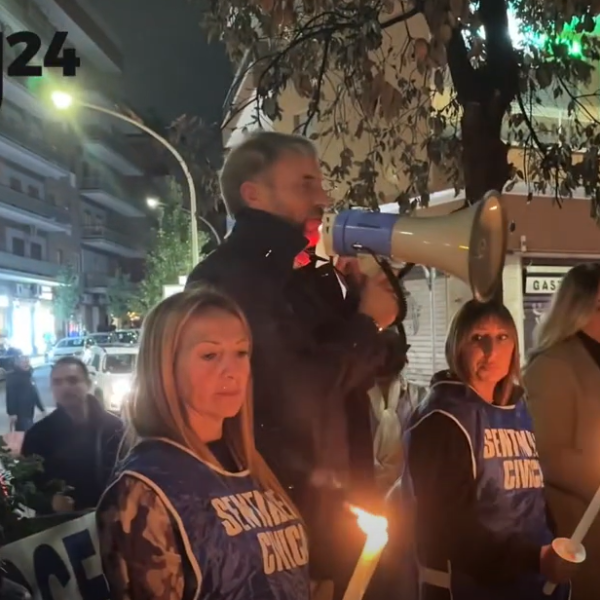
{"x": 563, "y": 385}
{"x": 480, "y": 515}
{"x": 194, "y": 512}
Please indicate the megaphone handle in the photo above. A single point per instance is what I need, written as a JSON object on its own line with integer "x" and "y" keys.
{"x": 398, "y": 291}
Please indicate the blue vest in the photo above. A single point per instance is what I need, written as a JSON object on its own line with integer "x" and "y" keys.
{"x": 510, "y": 487}
{"x": 242, "y": 542}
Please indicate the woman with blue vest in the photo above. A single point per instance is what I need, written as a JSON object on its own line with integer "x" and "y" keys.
{"x": 194, "y": 512}
{"x": 481, "y": 525}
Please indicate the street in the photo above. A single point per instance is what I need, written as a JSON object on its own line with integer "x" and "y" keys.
{"x": 42, "y": 380}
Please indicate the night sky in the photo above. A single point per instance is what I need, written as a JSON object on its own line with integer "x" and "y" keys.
{"x": 169, "y": 67}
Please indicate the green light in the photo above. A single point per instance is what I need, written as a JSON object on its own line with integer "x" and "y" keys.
{"x": 572, "y": 35}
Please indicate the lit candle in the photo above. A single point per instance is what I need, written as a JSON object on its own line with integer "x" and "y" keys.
{"x": 576, "y": 552}
{"x": 375, "y": 528}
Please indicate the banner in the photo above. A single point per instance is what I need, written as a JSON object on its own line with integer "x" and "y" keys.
{"x": 62, "y": 563}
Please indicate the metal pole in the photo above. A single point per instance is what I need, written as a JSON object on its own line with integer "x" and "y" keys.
{"x": 432, "y": 278}
{"x": 182, "y": 164}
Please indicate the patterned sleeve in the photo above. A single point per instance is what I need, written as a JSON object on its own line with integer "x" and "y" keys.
{"x": 140, "y": 553}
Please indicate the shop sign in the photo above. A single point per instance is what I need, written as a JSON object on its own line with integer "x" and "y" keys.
{"x": 542, "y": 284}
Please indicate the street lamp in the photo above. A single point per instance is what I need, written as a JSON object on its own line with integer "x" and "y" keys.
{"x": 64, "y": 101}
{"x": 153, "y": 203}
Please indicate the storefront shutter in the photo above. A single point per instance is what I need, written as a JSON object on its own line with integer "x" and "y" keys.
{"x": 426, "y": 325}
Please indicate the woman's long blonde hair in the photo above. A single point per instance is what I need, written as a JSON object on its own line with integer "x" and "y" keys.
{"x": 464, "y": 322}
{"x": 571, "y": 308}
{"x": 156, "y": 409}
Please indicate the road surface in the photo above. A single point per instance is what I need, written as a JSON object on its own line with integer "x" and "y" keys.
{"x": 42, "y": 380}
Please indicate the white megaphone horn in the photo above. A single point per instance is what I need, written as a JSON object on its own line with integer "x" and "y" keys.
{"x": 469, "y": 244}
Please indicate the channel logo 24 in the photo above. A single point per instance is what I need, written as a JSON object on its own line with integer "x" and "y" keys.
{"x": 29, "y": 45}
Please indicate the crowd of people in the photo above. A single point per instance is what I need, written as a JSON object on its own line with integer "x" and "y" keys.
{"x": 269, "y": 398}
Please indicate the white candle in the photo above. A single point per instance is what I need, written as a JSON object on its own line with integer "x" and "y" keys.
{"x": 375, "y": 528}
{"x": 589, "y": 516}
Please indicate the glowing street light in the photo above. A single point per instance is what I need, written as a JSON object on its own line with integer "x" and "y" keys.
{"x": 156, "y": 204}
{"x": 152, "y": 203}
{"x": 63, "y": 101}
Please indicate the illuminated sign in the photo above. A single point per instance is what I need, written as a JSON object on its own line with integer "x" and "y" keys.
{"x": 542, "y": 284}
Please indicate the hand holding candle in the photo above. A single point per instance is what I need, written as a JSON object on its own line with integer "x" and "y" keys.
{"x": 375, "y": 527}
{"x": 589, "y": 516}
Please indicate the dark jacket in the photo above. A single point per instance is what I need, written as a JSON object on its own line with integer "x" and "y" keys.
{"x": 82, "y": 455}
{"x": 314, "y": 356}
{"x": 22, "y": 396}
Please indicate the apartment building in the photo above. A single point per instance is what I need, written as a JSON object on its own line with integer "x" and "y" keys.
{"x": 71, "y": 189}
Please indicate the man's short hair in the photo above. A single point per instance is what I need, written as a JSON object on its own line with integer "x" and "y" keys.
{"x": 252, "y": 157}
{"x": 72, "y": 360}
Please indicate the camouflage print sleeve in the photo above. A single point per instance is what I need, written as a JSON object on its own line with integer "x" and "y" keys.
{"x": 140, "y": 554}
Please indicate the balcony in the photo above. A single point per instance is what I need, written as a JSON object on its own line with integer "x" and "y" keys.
{"x": 28, "y": 270}
{"x": 16, "y": 93}
{"x": 103, "y": 192}
{"x": 30, "y": 151}
{"x": 86, "y": 31}
{"x": 21, "y": 208}
{"x": 101, "y": 238}
{"x": 96, "y": 282}
{"x": 110, "y": 150}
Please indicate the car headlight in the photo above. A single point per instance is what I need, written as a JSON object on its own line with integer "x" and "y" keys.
{"x": 119, "y": 392}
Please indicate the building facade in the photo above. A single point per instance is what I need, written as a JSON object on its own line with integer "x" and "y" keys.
{"x": 71, "y": 191}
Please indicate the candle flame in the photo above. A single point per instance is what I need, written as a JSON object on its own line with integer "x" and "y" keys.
{"x": 374, "y": 527}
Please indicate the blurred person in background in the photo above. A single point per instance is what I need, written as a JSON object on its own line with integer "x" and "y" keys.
{"x": 194, "y": 512}
{"x": 393, "y": 400}
{"x": 562, "y": 380}
{"x": 22, "y": 396}
{"x": 481, "y": 526}
{"x": 316, "y": 352}
{"x": 78, "y": 442}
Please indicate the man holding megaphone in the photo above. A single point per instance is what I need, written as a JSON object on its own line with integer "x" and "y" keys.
{"x": 310, "y": 358}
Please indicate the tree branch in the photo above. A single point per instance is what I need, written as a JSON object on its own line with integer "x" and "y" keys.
{"x": 313, "y": 108}
{"x": 530, "y": 127}
{"x": 409, "y": 14}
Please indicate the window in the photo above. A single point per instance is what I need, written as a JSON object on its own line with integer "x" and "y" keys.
{"x": 104, "y": 338}
{"x": 33, "y": 191}
{"x": 36, "y": 251}
{"x": 60, "y": 257}
{"x": 18, "y": 246}
{"x": 119, "y": 364}
{"x": 74, "y": 342}
{"x": 15, "y": 184}
{"x": 128, "y": 337}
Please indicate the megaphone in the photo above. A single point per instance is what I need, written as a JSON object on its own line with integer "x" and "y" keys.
{"x": 469, "y": 244}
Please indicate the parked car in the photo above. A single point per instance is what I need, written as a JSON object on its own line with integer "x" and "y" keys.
{"x": 128, "y": 336}
{"x": 111, "y": 369}
{"x": 108, "y": 338}
{"x": 71, "y": 346}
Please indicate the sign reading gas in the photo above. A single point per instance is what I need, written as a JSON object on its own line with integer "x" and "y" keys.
{"x": 541, "y": 284}
{"x": 62, "y": 563}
